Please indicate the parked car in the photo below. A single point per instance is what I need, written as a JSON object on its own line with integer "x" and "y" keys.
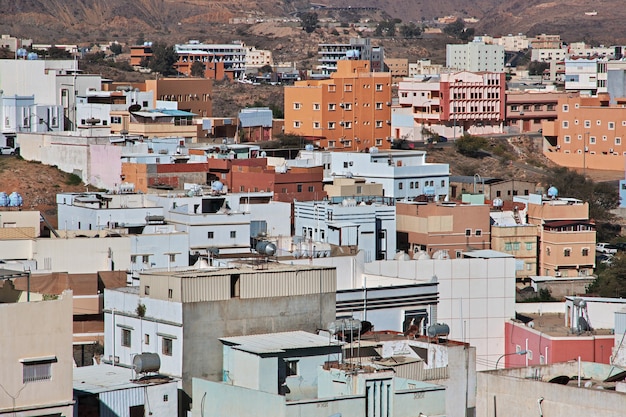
{"x": 606, "y": 248}
{"x": 604, "y": 259}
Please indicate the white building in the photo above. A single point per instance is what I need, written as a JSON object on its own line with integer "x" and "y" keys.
{"x": 512, "y": 42}
{"x": 475, "y": 57}
{"x": 257, "y": 58}
{"x": 370, "y": 227}
{"x": 21, "y": 114}
{"x": 588, "y": 76}
{"x": 94, "y": 109}
{"x": 424, "y": 67}
{"x": 403, "y": 174}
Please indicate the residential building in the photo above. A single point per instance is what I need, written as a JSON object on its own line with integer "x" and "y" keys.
{"x": 475, "y": 57}
{"x": 491, "y": 188}
{"x": 303, "y": 374}
{"x": 355, "y": 188}
{"x": 36, "y": 357}
{"x": 219, "y": 60}
{"x": 140, "y": 54}
{"x": 589, "y": 124}
{"x": 424, "y": 67}
{"x": 551, "y": 338}
{"x": 96, "y": 107}
{"x": 543, "y": 41}
{"x": 616, "y": 75}
{"x": 549, "y": 54}
{"x": 450, "y": 104}
{"x": 404, "y": 175}
{"x": 527, "y": 110}
{"x": 476, "y": 295}
{"x": 13, "y": 44}
{"x": 442, "y": 229}
{"x": 567, "y": 237}
{"x": 512, "y": 42}
{"x": 194, "y": 95}
{"x": 102, "y": 389}
{"x": 546, "y": 393}
{"x": 186, "y": 311}
{"x": 371, "y": 227}
{"x": 583, "y": 50}
{"x": 357, "y": 48}
{"x": 511, "y": 234}
{"x": 398, "y": 67}
{"x": 159, "y": 123}
{"x": 255, "y": 124}
{"x": 351, "y": 111}
{"x": 22, "y": 115}
{"x": 258, "y": 58}
{"x": 587, "y": 76}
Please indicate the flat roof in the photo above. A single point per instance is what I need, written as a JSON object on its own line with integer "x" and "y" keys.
{"x": 248, "y": 265}
{"x": 486, "y": 253}
{"x": 553, "y": 324}
{"x": 101, "y": 378}
{"x": 279, "y": 342}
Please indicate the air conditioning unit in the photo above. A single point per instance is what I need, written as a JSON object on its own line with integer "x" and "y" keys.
{"x": 557, "y": 274}
{"x": 389, "y": 103}
{"x": 342, "y": 105}
{"x": 341, "y": 123}
{"x": 388, "y": 122}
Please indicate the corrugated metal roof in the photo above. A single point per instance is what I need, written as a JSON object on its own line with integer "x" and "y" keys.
{"x": 103, "y": 378}
{"x": 278, "y": 342}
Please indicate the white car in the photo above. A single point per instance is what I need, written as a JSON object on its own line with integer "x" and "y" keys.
{"x": 606, "y": 248}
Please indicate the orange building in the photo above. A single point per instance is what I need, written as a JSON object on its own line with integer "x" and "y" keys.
{"x": 140, "y": 54}
{"x": 450, "y": 227}
{"x": 567, "y": 238}
{"x": 190, "y": 94}
{"x": 351, "y": 111}
{"x": 588, "y": 133}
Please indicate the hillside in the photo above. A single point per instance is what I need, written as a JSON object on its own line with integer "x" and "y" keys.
{"x": 60, "y": 21}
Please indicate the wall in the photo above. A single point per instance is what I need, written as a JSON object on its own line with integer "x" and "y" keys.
{"x": 36, "y": 330}
{"x": 205, "y": 322}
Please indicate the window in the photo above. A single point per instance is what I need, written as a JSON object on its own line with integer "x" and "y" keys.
{"x": 478, "y": 232}
{"x": 468, "y": 232}
{"x": 598, "y": 122}
{"x": 172, "y": 257}
{"x": 529, "y": 245}
{"x": 166, "y": 346}
{"x": 618, "y": 141}
{"x": 567, "y": 139}
{"x": 166, "y": 398}
{"x": 116, "y": 119}
{"x": 296, "y": 106}
{"x": 379, "y": 123}
{"x": 291, "y": 368}
{"x": 565, "y": 108}
{"x": 529, "y": 353}
{"x": 146, "y": 290}
{"x": 379, "y": 106}
{"x": 443, "y": 183}
{"x": 400, "y": 186}
{"x": 233, "y": 234}
{"x": 125, "y": 337}
{"x": 592, "y": 140}
{"x": 210, "y": 235}
{"x": 358, "y": 189}
{"x": 37, "y": 369}
{"x": 587, "y": 123}
{"x": 170, "y": 293}
{"x": 514, "y": 108}
{"x": 316, "y": 125}
{"x": 611, "y": 125}
{"x": 515, "y": 245}
{"x": 565, "y": 124}
{"x": 331, "y": 125}
{"x": 585, "y": 251}
{"x": 296, "y": 123}
{"x": 567, "y": 252}
{"x": 299, "y": 188}
{"x": 332, "y": 106}
{"x": 332, "y": 88}
{"x": 379, "y": 87}
{"x": 348, "y": 87}
{"x": 311, "y": 188}
{"x": 316, "y": 106}
{"x": 508, "y": 246}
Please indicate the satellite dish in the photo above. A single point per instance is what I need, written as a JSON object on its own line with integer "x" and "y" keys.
{"x": 134, "y": 107}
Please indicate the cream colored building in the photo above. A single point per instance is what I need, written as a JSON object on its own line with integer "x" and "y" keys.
{"x": 518, "y": 239}
{"x": 18, "y": 224}
{"x": 353, "y": 187}
{"x": 36, "y": 358}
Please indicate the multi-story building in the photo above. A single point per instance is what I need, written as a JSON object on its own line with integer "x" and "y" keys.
{"x": 510, "y": 233}
{"x": 424, "y": 67}
{"x": 186, "y": 311}
{"x": 351, "y": 111}
{"x": 257, "y": 58}
{"x": 404, "y": 175}
{"x": 588, "y": 133}
{"x": 526, "y": 110}
{"x": 548, "y": 54}
{"x": 371, "y": 227}
{"x": 447, "y": 228}
{"x": 451, "y": 104}
{"x": 36, "y": 357}
{"x": 219, "y": 60}
{"x": 140, "y": 54}
{"x": 587, "y": 76}
{"x": 193, "y": 95}
{"x": 567, "y": 237}
{"x": 357, "y": 48}
{"x": 475, "y": 57}
{"x": 544, "y": 41}
{"x": 582, "y": 50}
{"x": 491, "y": 188}
{"x": 398, "y": 67}
{"x": 512, "y": 42}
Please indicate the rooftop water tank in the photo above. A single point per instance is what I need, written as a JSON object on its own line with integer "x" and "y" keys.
{"x": 4, "y": 199}
{"x": 15, "y": 200}
{"x": 438, "y": 330}
{"x": 32, "y": 56}
{"x": 553, "y": 192}
{"x": 309, "y": 147}
{"x": 266, "y": 248}
{"x": 147, "y": 362}
{"x": 217, "y": 186}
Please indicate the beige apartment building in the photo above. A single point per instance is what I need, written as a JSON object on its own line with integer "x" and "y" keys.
{"x": 520, "y": 240}
{"x": 566, "y": 234}
{"x": 36, "y": 357}
{"x": 353, "y": 187}
{"x": 447, "y": 227}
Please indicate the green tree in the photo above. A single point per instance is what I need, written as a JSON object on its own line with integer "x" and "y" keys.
{"x": 309, "y": 21}
{"x": 116, "y": 48}
{"x": 458, "y": 30}
{"x": 537, "y": 67}
{"x": 266, "y": 69}
{"x": 163, "y": 59}
{"x": 611, "y": 281}
{"x": 410, "y": 30}
{"x": 469, "y": 145}
{"x": 386, "y": 28}
{"x": 197, "y": 69}
{"x": 58, "y": 53}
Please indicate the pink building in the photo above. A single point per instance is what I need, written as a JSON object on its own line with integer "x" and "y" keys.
{"x": 450, "y": 105}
